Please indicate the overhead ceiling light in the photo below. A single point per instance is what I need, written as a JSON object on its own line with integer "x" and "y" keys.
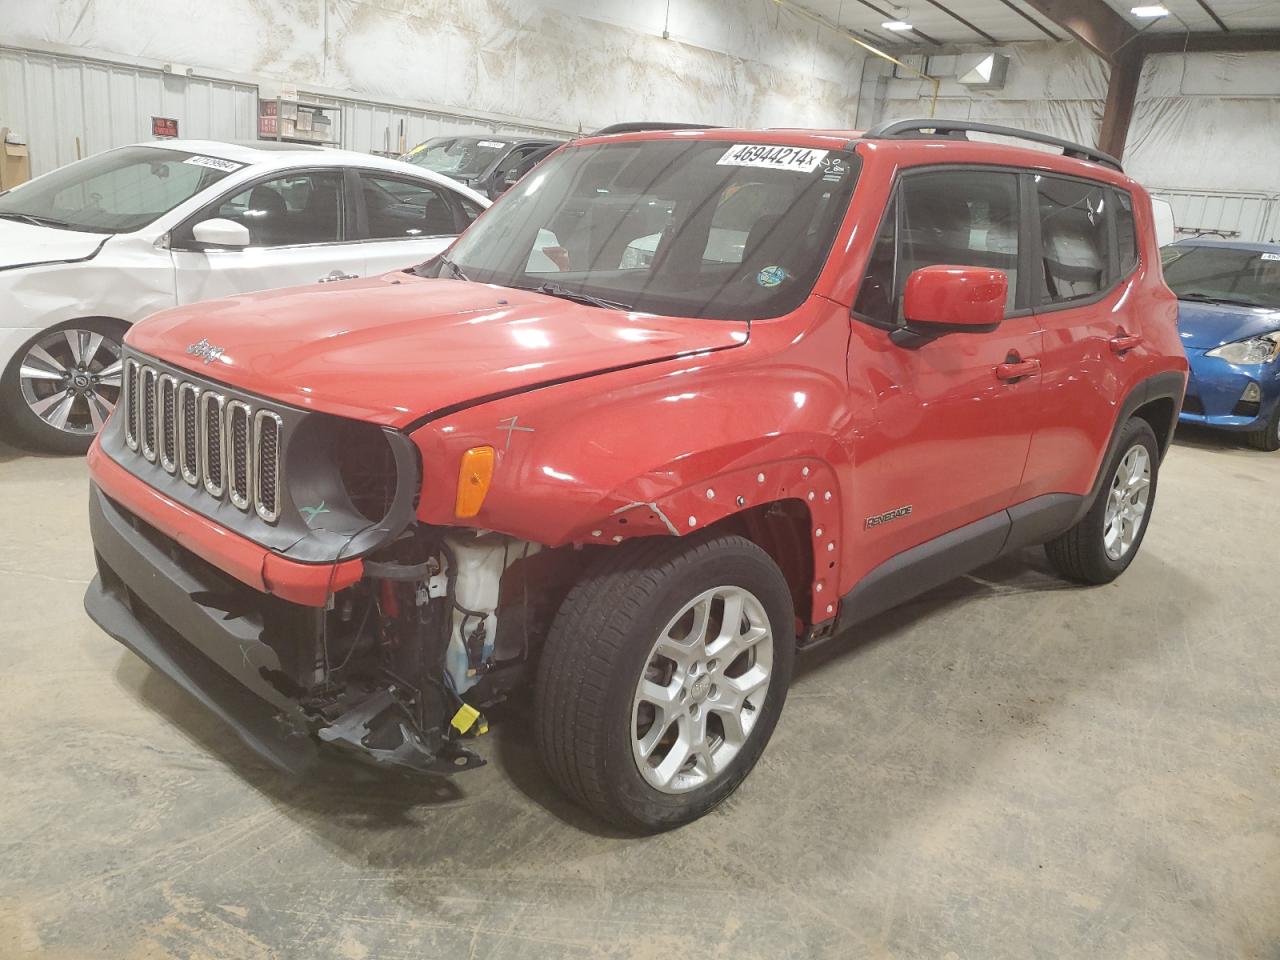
{"x": 898, "y": 25}
{"x": 1152, "y": 10}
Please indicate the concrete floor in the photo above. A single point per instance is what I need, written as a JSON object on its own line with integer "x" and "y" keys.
{"x": 1010, "y": 768}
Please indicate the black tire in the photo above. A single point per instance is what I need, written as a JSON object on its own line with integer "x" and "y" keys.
{"x": 1268, "y": 438}
{"x": 31, "y": 430}
{"x": 1080, "y": 554}
{"x": 598, "y": 648}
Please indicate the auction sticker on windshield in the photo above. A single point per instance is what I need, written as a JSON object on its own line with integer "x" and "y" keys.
{"x": 795, "y": 159}
{"x": 214, "y": 163}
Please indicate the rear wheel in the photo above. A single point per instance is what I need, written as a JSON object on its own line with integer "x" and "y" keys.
{"x": 61, "y": 386}
{"x": 1104, "y": 542}
{"x": 1268, "y": 438}
{"x": 663, "y": 677}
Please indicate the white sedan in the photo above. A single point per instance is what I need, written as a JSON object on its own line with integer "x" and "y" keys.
{"x": 94, "y": 246}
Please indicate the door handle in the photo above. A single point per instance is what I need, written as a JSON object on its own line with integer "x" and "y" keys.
{"x": 1015, "y": 368}
{"x": 338, "y": 275}
{"x": 1123, "y": 342}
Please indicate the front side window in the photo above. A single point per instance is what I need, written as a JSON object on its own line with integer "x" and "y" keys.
{"x": 658, "y": 226}
{"x": 402, "y": 209}
{"x": 115, "y": 192}
{"x": 293, "y": 209}
{"x": 1249, "y": 278}
{"x": 962, "y": 217}
{"x": 1073, "y": 239}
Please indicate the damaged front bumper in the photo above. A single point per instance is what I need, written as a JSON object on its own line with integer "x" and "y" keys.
{"x": 222, "y": 642}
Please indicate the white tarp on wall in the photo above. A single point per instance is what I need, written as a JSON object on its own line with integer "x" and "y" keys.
{"x": 563, "y": 64}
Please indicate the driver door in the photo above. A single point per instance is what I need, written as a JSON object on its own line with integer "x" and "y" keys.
{"x": 948, "y": 440}
{"x": 299, "y": 234}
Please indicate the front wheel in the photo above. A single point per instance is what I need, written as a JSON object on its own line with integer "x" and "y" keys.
{"x": 662, "y": 678}
{"x": 1268, "y": 438}
{"x": 1104, "y": 542}
{"x": 62, "y": 384}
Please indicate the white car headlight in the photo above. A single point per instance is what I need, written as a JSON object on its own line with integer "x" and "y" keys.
{"x": 1255, "y": 350}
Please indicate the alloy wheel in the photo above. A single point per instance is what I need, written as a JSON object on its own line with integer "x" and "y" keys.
{"x": 702, "y": 689}
{"x": 71, "y": 380}
{"x": 1127, "y": 502}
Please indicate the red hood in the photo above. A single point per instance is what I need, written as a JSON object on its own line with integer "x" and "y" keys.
{"x": 395, "y": 348}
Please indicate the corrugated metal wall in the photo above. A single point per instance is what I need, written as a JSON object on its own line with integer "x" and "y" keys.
{"x": 371, "y": 127}
{"x": 1251, "y": 217}
{"x": 51, "y": 100}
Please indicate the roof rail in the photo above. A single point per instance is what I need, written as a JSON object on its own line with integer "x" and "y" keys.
{"x": 908, "y": 129}
{"x": 638, "y": 126}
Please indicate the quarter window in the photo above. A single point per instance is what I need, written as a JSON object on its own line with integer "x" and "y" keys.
{"x": 1073, "y": 239}
{"x": 402, "y": 209}
{"x": 293, "y": 209}
{"x": 963, "y": 217}
{"x": 1126, "y": 232}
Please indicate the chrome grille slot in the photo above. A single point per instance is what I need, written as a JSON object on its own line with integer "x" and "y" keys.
{"x": 167, "y": 404}
{"x": 238, "y": 432}
{"x": 189, "y": 433}
{"x": 147, "y": 395}
{"x": 224, "y": 445}
{"x": 213, "y": 443}
{"x": 130, "y": 400}
{"x": 267, "y": 427}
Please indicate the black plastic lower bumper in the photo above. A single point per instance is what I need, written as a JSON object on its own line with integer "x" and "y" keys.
{"x": 182, "y": 617}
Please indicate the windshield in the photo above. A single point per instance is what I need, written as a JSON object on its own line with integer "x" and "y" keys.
{"x": 1223, "y": 274}
{"x": 466, "y": 157}
{"x": 690, "y": 228}
{"x": 115, "y": 192}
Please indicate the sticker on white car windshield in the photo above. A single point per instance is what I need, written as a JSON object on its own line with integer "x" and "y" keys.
{"x": 795, "y": 159}
{"x": 214, "y": 163}
{"x": 491, "y": 144}
{"x": 1271, "y": 256}
{"x": 771, "y": 276}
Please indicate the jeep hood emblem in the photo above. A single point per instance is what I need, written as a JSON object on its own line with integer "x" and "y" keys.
{"x": 205, "y": 350}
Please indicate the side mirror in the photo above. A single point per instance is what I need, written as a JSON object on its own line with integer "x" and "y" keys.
{"x": 220, "y": 232}
{"x": 951, "y": 299}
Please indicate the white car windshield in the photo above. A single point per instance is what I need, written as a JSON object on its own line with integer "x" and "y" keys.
{"x": 115, "y": 192}
{"x": 691, "y": 228}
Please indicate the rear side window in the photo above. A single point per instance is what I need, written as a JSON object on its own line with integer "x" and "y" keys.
{"x": 403, "y": 209}
{"x": 965, "y": 217}
{"x": 470, "y": 208}
{"x": 1126, "y": 232}
{"x": 1074, "y": 247}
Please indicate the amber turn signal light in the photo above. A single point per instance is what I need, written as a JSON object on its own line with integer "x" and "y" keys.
{"x": 473, "y": 480}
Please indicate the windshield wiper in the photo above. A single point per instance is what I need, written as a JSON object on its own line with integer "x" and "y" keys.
{"x": 555, "y": 290}
{"x": 1210, "y": 298}
{"x": 36, "y": 221}
{"x": 454, "y": 270}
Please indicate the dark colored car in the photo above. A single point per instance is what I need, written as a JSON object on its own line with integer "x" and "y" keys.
{"x": 486, "y": 164}
{"x": 1229, "y": 319}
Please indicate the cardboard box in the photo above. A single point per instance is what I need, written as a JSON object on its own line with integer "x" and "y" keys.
{"x": 15, "y": 163}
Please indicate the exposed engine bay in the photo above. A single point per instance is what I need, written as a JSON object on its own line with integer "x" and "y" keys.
{"x": 440, "y": 628}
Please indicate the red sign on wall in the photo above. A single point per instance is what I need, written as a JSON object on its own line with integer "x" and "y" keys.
{"x": 164, "y": 127}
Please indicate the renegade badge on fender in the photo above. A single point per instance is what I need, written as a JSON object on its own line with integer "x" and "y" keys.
{"x": 679, "y": 404}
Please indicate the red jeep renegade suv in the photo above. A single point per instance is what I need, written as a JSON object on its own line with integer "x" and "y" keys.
{"x": 681, "y": 403}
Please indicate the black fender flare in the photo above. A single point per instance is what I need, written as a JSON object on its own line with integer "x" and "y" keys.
{"x": 1170, "y": 385}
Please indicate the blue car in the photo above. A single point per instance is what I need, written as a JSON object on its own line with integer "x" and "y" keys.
{"x": 1229, "y": 320}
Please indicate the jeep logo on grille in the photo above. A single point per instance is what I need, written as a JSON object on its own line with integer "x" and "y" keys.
{"x": 205, "y": 350}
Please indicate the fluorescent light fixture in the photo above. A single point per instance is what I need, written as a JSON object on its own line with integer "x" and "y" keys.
{"x": 898, "y": 25}
{"x": 1151, "y": 10}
